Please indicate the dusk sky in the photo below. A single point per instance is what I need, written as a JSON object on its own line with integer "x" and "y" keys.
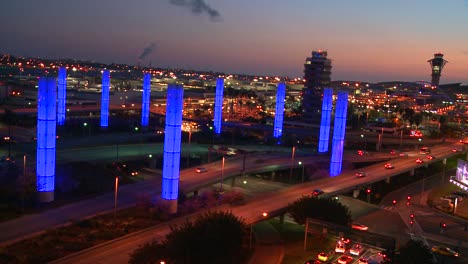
{"x": 367, "y": 40}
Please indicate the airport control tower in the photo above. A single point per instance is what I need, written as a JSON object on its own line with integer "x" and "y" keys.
{"x": 437, "y": 64}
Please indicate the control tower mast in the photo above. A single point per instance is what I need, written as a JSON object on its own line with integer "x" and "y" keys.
{"x": 437, "y": 64}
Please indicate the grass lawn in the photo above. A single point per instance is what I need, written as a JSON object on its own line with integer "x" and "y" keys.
{"x": 293, "y": 237}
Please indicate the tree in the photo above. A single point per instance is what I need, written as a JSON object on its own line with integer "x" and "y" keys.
{"x": 325, "y": 209}
{"x": 214, "y": 237}
{"x": 414, "y": 252}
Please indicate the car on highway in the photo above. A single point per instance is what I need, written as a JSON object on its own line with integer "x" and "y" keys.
{"x": 425, "y": 150}
{"x": 389, "y": 166}
{"x": 393, "y": 152}
{"x": 356, "y": 249}
{"x": 342, "y": 245}
{"x": 363, "y": 261}
{"x": 317, "y": 192}
{"x": 403, "y": 154}
{"x": 358, "y": 226}
{"x": 430, "y": 157}
{"x": 443, "y": 250}
{"x": 322, "y": 256}
{"x": 362, "y": 152}
{"x": 345, "y": 259}
{"x": 419, "y": 161}
{"x": 201, "y": 170}
{"x": 360, "y": 174}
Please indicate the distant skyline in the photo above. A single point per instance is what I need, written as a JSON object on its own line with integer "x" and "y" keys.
{"x": 367, "y": 40}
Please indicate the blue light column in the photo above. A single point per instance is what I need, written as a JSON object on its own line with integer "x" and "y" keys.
{"x": 46, "y": 131}
{"x": 61, "y": 95}
{"x": 339, "y": 130}
{"x": 218, "y": 111}
{"x": 145, "y": 99}
{"x": 325, "y": 122}
{"x": 105, "y": 98}
{"x": 279, "y": 112}
{"x": 172, "y": 134}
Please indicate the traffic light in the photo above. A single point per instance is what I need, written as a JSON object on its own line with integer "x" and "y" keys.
{"x": 394, "y": 202}
{"x": 368, "y": 191}
{"x": 411, "y": 222}
{"x": 443, "y": 225}
{"x": 412, "y": 216}
{"x": 408, "y": 198}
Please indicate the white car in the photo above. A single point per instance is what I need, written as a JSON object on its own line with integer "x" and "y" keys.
{"x": 356, "y": 249}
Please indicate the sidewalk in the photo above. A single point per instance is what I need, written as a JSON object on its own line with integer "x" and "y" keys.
{"x": 269, "y": 247}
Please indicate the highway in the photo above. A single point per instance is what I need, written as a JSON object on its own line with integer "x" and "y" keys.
{"x": 117, "y": 251}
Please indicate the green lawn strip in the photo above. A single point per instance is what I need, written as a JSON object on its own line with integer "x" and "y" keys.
{"x": 293, "y": 237}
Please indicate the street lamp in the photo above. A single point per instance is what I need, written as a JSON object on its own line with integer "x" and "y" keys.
{"x": 115, "y": 197}
{"x": 7, "y": 139}
{"x": 365, "y": 142}
{"x": 302, "y": 175}
{"x": 292, "y": 163}
{"x": 222, "y": 175}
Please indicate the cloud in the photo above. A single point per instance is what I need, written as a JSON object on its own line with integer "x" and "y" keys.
{"x": 198, "y": 7}
{"x": 147, "y": 51}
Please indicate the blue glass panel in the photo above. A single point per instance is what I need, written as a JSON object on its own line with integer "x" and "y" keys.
{"x": 279, "y": 112}
{"x": 218, "y": 111}
{"x": 172, "y": 137}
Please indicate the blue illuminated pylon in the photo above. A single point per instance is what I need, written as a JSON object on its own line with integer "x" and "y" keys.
{"x": 339, "y": 130}
{"x": 61, "y": 95}
{"x": 279, "y": 112}
{"x": 46, "y": 131}
{"x": 218, "y": 111}
{"x": 326, "y": 118}
{"x": 172, "y": 137}
{"x": 145, "y": 99}
{"x": 105, "y": 98}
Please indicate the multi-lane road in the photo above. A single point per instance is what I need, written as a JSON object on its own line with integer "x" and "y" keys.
{"x": 117, "y": 251}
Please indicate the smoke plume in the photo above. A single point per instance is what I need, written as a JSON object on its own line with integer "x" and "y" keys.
{"x": 147, "y": 51}
{"x": 198, "y": 7}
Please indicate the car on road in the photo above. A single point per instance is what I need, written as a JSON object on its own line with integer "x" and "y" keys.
{"x": 201, "y": 170}
{"x": 443, "y": 250}
{"x": 419, "y": 161}
{"x": 389, "y": 166}
{"x": 317, "y": 192}
{"x": 430, "y": 157}
{"x": 358, "y": 226}
{"x": 345, "y": 259}
{"x": 403, "y": 154}
{"x": 356, "y": 249}
{"x": 393, "y": 152}
{"x": 362, "y": 152}
{"x": 360, "y": 174}
{"x": 342, "y": 245}
{"x": 425, "y": 150}
{"x": 363, "y": 261}
{"x": 322, "y": 256}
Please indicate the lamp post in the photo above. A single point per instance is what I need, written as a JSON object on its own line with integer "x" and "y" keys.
{"x": 302, "y": 175}
{"x": 222, "y": 175}
{"x": 365, "y": 142}
{"x": 7, "y": 139}
{"x": 189, "y": 141}
{"x": 115, "y": 197}
{"x": 292, "y": 163}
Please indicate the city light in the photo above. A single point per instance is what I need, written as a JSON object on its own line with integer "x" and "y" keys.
{"x": 279, "y": 112}
{"x": 172, "y": 138}
{"x": 145, "y": 99}
{"x": 105, "y": 98}
{"x": 46, "y": 138}
{"x": 218, "y": 105}
{"x": 325, "y": 120}
{"x": 61, "y": 95}
{"x": 339, "y": 134}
